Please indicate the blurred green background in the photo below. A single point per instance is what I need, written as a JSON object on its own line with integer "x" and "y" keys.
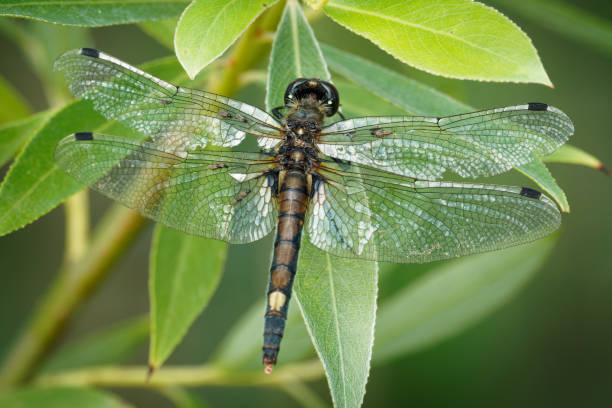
{"x": 549, "y": 346}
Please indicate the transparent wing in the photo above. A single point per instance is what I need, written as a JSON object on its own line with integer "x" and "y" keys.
{"x": 174, "y": 117}
{"x": 474, "y": 144}
{"x": 360, "y": 212}
{"x": 216, "y": 194}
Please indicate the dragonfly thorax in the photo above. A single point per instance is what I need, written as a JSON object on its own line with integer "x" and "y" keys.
{"x": 291, "y": 156}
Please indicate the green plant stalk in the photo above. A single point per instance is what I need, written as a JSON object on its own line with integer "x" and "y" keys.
{"x": 185, "y": 376}
{"x": 112, "y": 238}
{"x": 74, "y": 283}
{"x": 77, "y": 226}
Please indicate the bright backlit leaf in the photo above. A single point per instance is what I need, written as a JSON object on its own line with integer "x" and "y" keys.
{"x": 92, "y": 13}
{"x": 453, "y": 38}
{"x": 208, "y": 27}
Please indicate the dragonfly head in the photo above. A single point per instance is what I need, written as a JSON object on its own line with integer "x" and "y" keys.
{"x": 322, "y": 91}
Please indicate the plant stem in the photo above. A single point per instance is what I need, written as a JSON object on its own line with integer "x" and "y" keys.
{"x": 73, "y": 284}
{"x": 191, "y": 376}
{"x": 77, "y": 226}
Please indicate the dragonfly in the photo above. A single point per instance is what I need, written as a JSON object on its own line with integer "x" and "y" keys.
{"x": 368, "y": 188}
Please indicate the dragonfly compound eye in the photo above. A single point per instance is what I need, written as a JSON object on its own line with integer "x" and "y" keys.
{"x": 323, "y": 91}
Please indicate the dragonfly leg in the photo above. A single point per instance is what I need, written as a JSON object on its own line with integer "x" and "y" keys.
{"x": 277, "y": 112}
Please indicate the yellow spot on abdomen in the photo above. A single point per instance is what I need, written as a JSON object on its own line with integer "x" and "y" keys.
{"x": 277, "y": 300}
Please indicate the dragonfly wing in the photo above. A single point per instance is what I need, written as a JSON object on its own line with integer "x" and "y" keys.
{"x": 360, "y": 212}
{"x": 474, "y": 144}
{"x": 216, "y": 194}
{"x": 174, "y": 117}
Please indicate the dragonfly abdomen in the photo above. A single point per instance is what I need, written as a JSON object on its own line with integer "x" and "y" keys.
{"x": 292, "y": 203}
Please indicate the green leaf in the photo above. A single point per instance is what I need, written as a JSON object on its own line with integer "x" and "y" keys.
{"x": 295, "y": 54}
{"x": 453, "y": 296}
{"x": 565, "y": 19}
{"x": 59, "y": 398}
{"x": 337, "y": 297}
{"x": 185, "y": 271}
{"x": 110, "y": 345}
{"x": 572, "y": 155}
{"x": 537, "y": 171}
{"x": 410, "y": 95}
{"x": 13, "y": 135}
{"x": 162, "y": 31}
{"x": 352, "y": 97}
{"x": 208, "y": 27}
{"x": 457, "y": 39}
{"x": 34, "y": 185}
{"x": 13, "y": 105}
{"x": 92, "y": 13}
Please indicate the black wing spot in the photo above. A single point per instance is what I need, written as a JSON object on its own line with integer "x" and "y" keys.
{"x": 530, "y": 193}
{"x": 90, "y": 52}
{"x": 537, "y": 106}
{"x": 83, "y": 136}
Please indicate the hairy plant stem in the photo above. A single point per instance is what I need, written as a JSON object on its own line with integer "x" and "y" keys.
{"x": 190, "y": 376}
{"x": 75, "y": 281}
